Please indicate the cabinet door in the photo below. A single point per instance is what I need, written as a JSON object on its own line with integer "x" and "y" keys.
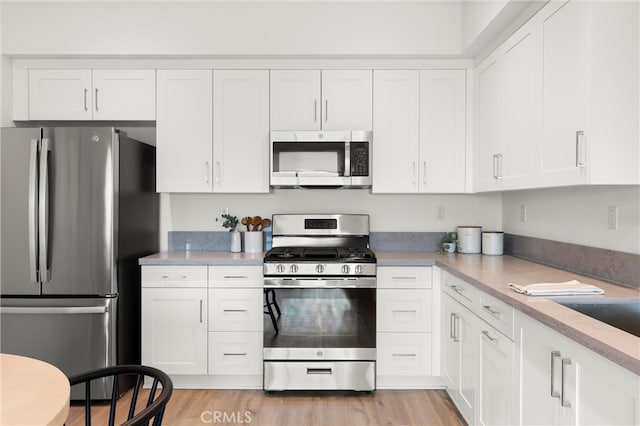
{"x": 396, "y": 129}
{"x": 184, "y": 130}
{"x": 295, "y": 100}
{"x": 450, "y": 367}
{"x": 521, "y": 109}
{"x": 495, "y": 392}
{"x": 442, "y": 131}
{"x": 540, "y": 364}
{"x": 174, "y": 329}
{"x": 124, "y": 95}
{"x": 241, "y": 131}
{"x": 489, "y": 127}
{"x": 60, "y": 95}
{"x": 347, "y": 99}
{"x": 564, "y": 93}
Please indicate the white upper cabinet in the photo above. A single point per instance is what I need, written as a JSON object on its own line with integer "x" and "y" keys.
{"x": 564, "y": 38}
{"x": 241, "y": 131}
{"x": 396, "y": 118}
{"x": 69, "y": 94}
{"x": 443, "y": 130}
{"x": 184, "y": 130}
{"x": 558, "y": 102}
{"x": 321, "y": 100}
{"x": 419, "y": 127}
{"x": 347, "y": 99}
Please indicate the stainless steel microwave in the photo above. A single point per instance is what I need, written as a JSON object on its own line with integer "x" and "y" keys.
{"x": 332, "y": 159}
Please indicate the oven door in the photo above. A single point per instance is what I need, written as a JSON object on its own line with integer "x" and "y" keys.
{"x": 320, "y": 319}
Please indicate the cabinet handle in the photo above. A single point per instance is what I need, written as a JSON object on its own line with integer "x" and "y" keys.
{"x": 234, "y": 354}
{"x": 235, "y": 277}
{"x": 327, "y": 371}
{"x": 488, "y": 336}
{"x": 315, "y": 110}
{"x": 424, "y": 172}
{"x": 405, "y": 278}
{"x": 96, "y": 99}
{"x": 326, "y": 110}
{"x": 580, "y": 161}
{"x": 457, "y": 289}
{"x": 457, "y": 331}
{"x": 207, "y": 171}
{"x": 414, "y": 171}
{"x": 491, "y": 310}
{"x": 234, "y": 310}
{"x": 500, "y": 173}
{"x": 86, "y": 108}
{"x": 201, "y": 310}
{"x": 564, "y": 402}
{"x": 495, "y": 166}
{"x": 405, "y": 355}
{"x": 174, "y": 277}
{"x": 404, "y": 311}
{"x": 554, "y": 355}
{"x": 218, "y": 172}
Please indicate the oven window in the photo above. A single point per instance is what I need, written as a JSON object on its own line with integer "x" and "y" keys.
{"x": 323, "y": 318}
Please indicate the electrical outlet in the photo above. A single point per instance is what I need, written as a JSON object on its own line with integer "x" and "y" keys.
{"x": 612, "y": 217}
{"x": 223, "y": 210}
{"x": 440, "y": 212}
{"x": 523, "y": 212}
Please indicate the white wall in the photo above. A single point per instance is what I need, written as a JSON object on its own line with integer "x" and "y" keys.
{"x": 197, "y": 212}
{"x": 576, "y": 215}
{"x": 231, "y": 28}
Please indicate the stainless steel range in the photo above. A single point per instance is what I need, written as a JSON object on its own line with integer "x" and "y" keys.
{"x": 320, "y": 299}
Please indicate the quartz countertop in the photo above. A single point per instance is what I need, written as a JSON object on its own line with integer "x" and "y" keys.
{"x": 491, "y": 274}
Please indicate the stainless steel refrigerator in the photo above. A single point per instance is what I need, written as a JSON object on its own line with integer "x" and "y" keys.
{"x": 78, "y": 208}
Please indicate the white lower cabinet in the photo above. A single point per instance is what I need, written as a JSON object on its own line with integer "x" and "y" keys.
{"x": 203, "y": 325}
{"x": 405, "y": 328}
{"x": 174, "y": 319}
{"x": 564, "y": 383}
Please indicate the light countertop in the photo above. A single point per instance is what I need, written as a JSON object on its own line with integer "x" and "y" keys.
{"x": 491, "y": 274}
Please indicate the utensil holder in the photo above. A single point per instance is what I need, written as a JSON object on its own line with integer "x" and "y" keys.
{"x": 253, "y": 242}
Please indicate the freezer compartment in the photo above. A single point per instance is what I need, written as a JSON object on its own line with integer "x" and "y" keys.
{"x": 75, "y": 335}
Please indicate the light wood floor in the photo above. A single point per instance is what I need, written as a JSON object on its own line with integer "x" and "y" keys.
{"x": 253, "y": 407}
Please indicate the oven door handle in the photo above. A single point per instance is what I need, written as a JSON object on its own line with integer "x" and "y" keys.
{"x": 369, "y": 282}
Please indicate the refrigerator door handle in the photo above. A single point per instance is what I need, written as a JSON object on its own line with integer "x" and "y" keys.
{"x": 53, "y": 310}
{"x": 43, "y": 211}
{"x": 33, "y": 215}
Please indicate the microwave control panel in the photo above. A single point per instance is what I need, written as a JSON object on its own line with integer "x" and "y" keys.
{"x": 359, "y": 158}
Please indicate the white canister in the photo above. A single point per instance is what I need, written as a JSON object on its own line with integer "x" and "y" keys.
{"x": 253, "y": 242}
{"x": 469, "y": 239}
{"x": 493, "y": 243}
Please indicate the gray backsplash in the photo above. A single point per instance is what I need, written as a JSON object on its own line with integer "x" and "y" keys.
{"x": 609, "y": 265}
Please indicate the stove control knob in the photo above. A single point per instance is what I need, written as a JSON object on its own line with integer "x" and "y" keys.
{"x": 345, "y": 269}
{"x": 293, "y": 269}
{"x": 280, "y": 268}
{"x": 320, "y": 269}
{"x": 359, "y": 269}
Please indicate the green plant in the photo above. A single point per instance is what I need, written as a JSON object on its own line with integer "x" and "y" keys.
{"x": 229, "y": 222}
{"x": 449, "y": 237}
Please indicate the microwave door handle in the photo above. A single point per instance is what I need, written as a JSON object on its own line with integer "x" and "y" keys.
{"x": 347, "y": 158}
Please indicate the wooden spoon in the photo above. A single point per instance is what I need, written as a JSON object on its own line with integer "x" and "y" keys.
{"x": 246, "y": 221}
{"x": 266, "y": 222}
{"x": 256, "y": 221}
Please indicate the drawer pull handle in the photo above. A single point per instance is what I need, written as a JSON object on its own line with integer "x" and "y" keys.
{"x": 327, "y": 371}
{"x": 201, "y": 310}
{"x": 235, "y": 277}
{"x": 488, "y": 336}
{"x": 235, "y": 310}
{"x": 554, "y": 392}
{"x": 492, "y": 311}
{"x": 404, "y": 311}
{"x": 405, "y": 278}
{"x": 457, "y": 289}
{"x": 235, "y": 354}
{"x": 406, "y": 355}
{"x": 563, "y": 401}
{"x": 174, "y": 277}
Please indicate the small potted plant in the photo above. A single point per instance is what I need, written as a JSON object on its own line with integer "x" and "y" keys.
{"x": 231, "y": 222}
{"x": 448, "y": 243}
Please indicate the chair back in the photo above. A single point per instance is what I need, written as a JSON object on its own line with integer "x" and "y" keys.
{"x": 152, "y": 409}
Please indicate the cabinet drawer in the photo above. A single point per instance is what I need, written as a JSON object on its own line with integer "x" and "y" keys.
{"x": 460, "y": 290}
{"x": 235, "y": 276}
{"x": 238, "y": 309}
{"x": 404, "y": 310}
{"x": 404, "y": 354}
{"x": 235, "y": 353}
{"x": 404, "y": 277}
{"x": 497, "y": 313}
{"x": 174, "y": 276}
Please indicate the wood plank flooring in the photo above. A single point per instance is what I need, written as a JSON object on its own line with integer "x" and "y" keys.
{"x": 255, "y": 407}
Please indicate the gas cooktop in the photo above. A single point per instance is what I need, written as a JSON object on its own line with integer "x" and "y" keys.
{"x": 324, "y": 254}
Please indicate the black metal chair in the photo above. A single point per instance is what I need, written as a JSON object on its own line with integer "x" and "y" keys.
{"x": 155, "y": 405}
{"x": 270, "y": 303}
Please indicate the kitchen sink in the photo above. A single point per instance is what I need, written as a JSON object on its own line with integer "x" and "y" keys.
{"x": 619, "y": 313}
